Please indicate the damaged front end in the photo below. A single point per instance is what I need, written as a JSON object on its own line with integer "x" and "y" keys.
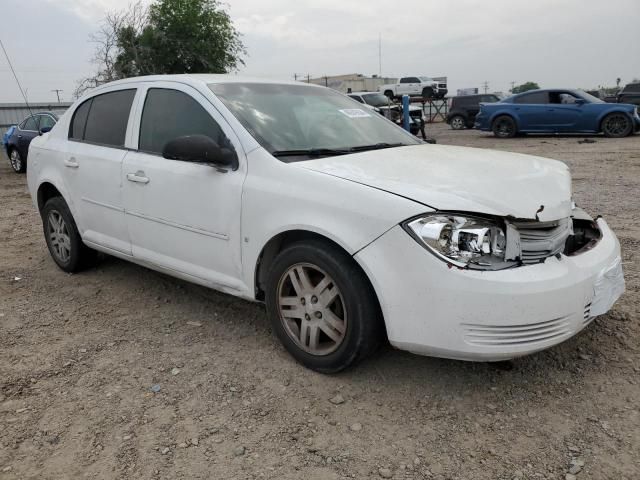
{"x": 479, "y": 242}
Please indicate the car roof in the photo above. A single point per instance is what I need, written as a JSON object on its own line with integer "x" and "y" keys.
{"x": 361, "y": 93}
{"x": 200, "y": 79}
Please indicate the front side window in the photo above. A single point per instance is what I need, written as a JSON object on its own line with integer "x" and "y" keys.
{"x": 108, "y": 116}
{"x": 30, "y": 123}
{"x": 46, "y": 121}
{"x": 357, "y": 98}
{"x": 286, "y": 117}
{"x": 169, "y": 114}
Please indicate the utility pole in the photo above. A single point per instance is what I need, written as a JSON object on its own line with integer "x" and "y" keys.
{"x": 57, "y": 90}
{"x": 380, "y": 55}
{"x": 308, "y": 78}
{"x": 295, "y": 77}
{"x": 485, "y": 86}
{"x": 513, "y": 85}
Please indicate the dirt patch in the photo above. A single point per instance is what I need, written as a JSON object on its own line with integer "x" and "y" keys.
{"x": 121, "y": 372}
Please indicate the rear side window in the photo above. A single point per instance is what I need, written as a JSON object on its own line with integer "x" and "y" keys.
{"x": 533, "y": 98}
{"x": 108, "y": 118}
{"x": 79, "y": 120}
{"x": 169, "y": 114}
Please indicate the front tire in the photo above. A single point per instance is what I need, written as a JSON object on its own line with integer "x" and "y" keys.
{"x": 427, "y": 92}
{"x": 389, "y": 94}
{"x": 322, "y": 307}
{"x": 458, "y": 122}
{"x": 62, "y": 237}
{"x": 617, "y": 125}
{"x": 16, "y": 161}
{"x": 504, "y": 127}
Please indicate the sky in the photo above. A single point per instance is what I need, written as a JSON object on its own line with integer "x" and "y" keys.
{"x": 556, "y": 43}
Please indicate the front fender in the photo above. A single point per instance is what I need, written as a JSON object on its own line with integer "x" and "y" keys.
{"x": 279, "y": 197}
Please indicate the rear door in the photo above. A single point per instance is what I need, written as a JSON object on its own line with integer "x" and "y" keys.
{"x": 533, "y": 112}
{"x": 93, "y": 164}
{"x": 27, "y": 131}
{"x": 183, "y": 216}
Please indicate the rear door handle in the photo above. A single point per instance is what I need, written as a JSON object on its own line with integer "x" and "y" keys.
{"x": 137, "y": 177}
{"x": 71, "y": 163}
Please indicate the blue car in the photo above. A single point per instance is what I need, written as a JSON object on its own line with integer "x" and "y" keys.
{"x": 557, "y": 111}
{"x": 17, "y": 145}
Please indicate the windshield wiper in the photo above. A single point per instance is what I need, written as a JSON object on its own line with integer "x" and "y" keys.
{"x": 317, "y": 152}
{"x": 312, "y": 152}
{"x": 375, "y": 146}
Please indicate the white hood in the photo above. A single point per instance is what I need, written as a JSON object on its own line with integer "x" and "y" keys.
{"x": 461, "y": 179}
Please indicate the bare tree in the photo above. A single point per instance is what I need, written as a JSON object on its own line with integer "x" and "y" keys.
{"x": 108, "y": 45}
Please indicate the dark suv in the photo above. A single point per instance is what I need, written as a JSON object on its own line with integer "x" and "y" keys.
{"x": 463, "y": 109}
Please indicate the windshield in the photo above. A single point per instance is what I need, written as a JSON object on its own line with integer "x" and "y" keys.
{"x": 300, "y": 117}
{"x": 376, "y": 99}
{"x": 588, "y": 97}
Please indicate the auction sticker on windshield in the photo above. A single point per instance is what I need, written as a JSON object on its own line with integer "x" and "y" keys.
{"x": 354, "y": 113}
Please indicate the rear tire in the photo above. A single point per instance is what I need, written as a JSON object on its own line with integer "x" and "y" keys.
{"x": 504, "y": 127}
{"x": 16, "y": 161}
{"x": 457, "y": 122}
{"x": 617, "y": 125}
{"x": 322, "y": 307}
{"x": 62, "y": 237}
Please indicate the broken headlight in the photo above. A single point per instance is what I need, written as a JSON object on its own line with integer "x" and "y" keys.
{"x": 462, "y": 240}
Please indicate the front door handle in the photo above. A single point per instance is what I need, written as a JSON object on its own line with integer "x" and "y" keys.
{"x": 137, "y": 177}
{"x": 71, "y": 163}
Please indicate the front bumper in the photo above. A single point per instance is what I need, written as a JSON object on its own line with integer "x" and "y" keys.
{"x": 432, "y": 309}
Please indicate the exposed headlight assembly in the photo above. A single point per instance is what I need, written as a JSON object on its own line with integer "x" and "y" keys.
{"x": 461, "y": 240}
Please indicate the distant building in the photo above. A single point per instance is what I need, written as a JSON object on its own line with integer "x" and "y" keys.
{"x": 354, "y": 81}
{"x": 14, "y": 113}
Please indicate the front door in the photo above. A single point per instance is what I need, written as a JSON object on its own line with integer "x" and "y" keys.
{"x": 183, "y": 216}
{"x": 566, "y": 113}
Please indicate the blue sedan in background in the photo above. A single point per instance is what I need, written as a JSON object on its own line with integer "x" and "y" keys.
{"x": 557, "y": 111}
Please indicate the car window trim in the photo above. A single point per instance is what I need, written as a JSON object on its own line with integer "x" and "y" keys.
{"x": 159, "y": 154}
{"x": 25, "y": 123}
{"x": 119, "y": 147}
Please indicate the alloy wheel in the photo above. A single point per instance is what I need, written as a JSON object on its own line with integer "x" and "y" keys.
{"x": 59, "y": 237}
{"x": 457, "y": 123}
{"x": 16, "y": 160}
{"x": 504, "y": 128}
{"x": 616, "y": 125}
{"x": 312, "y": 309}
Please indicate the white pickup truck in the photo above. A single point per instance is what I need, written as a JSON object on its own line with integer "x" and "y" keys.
{"x": 425, "y": 87}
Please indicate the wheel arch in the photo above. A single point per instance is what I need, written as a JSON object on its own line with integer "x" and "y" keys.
{"x": 47, "y": 190}
{"x": 280, "y": 241}
{"x": 503, "y": 113}
{"x": 605, "y": 114}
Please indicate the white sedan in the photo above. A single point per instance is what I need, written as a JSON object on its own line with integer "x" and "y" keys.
{"x": 348, "y": 228}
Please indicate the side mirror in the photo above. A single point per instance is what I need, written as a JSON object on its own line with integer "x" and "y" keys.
{"x": 200, "y": 149}
{"x": 579, "y": 101}
{"x": 45, "y": 129}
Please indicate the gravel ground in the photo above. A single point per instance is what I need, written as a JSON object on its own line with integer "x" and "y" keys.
{"x": 81, "y": 356}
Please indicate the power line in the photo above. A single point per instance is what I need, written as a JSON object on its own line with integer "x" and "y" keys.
{"x": 16, "y": 77}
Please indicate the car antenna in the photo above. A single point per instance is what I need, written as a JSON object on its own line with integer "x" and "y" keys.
{"x": 16, "y": 77}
